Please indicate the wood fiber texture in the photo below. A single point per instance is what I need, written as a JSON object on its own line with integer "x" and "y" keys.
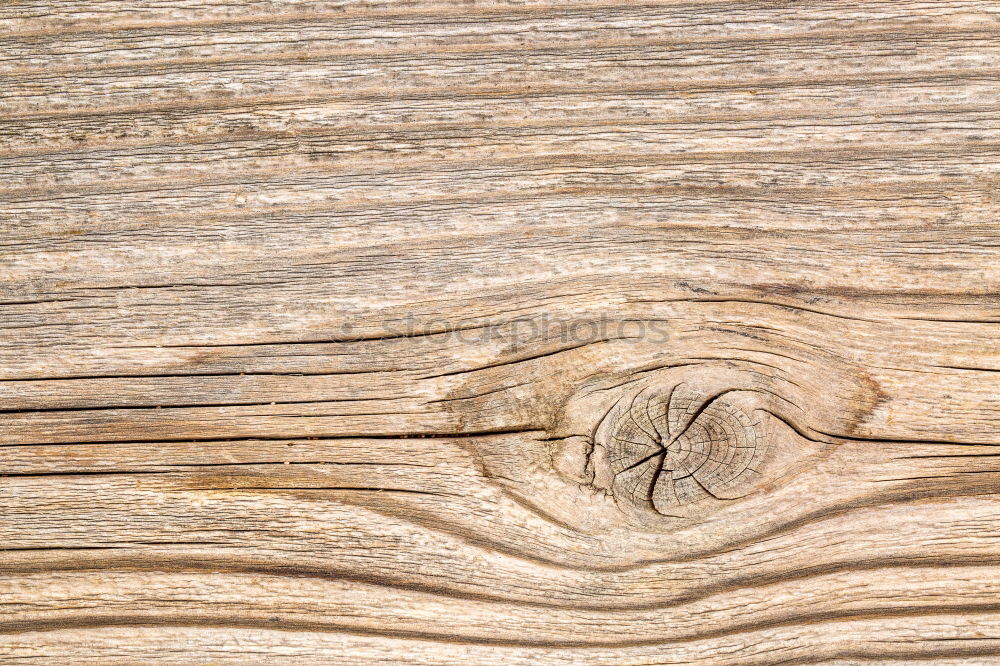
{"x": 554, "y": 332}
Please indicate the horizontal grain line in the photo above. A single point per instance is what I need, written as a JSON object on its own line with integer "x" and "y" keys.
{"x": 445, "y": 168}
{"x": 954, "y": 321}
{"x": 949, "y": 475}
{"x": 739, "y": 359}
{"x": 465, "y": 41}
{"x": 434, "y": 203}
{"x": 896, "y": 496}
{"x": 312, "y": 341}
{"x": 513, "y": 92}
{"x": 81, "y": 473}
{"x": 498, "y": 432}
{"x": 179, "y": 467}
{"x": 179, "y": 285}
{"x": 123, "y": 546}
{"x": 482, "y": 394}
{"x": 785, "y": 306}
{"x": 228, "y": 565}
{"x": 881, "y": 655}
{"x": 37, "y": 302}
{"x": 442, "y": 15}
{"x": 197, "y": 375}
{"x": 962, "y": 638}
{"x": 912, "y": 440}
{"x": 188, "y": 468}
{"x": 166, "y": 407}
{"x": 949, "y": 455}
{"x": 807, "y": 38}
{"x": 900, "y": 192}
{"x": 525, "y": 128}
{"x": 533, "y": 357}
{"x": 334, "y": 341}
{"x": 348, "y": 489}
{"x": 829, "y": 617}
{"x": 100, "y": 26}
{"x": 904, "y": 495}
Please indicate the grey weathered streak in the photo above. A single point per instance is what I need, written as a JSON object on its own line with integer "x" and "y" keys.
{"x": 488, "y": 332}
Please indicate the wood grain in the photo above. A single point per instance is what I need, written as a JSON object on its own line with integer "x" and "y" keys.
{"x": 499, "y": 332}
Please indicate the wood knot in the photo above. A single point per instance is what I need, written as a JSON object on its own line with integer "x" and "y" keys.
{"x": 664, "y": 449}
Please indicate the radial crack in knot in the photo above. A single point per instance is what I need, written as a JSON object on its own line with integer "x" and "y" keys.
{"x": 667, "y": 449}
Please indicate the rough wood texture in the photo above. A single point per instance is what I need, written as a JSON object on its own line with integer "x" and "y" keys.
{"x": 495, "y": 332}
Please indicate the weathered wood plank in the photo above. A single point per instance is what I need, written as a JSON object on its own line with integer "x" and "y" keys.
{"x": 427, "y": 332}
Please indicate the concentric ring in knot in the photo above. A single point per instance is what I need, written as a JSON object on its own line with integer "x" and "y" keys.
{"x": 668, "y": 448}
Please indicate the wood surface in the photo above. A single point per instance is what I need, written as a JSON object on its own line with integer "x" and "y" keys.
{"x": 350, "y": 332}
